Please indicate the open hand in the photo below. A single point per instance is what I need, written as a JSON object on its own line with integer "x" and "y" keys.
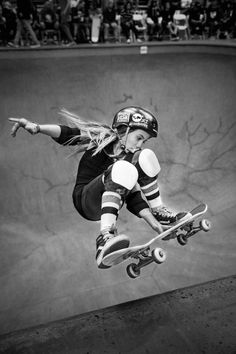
{"x": 30, "y": 127}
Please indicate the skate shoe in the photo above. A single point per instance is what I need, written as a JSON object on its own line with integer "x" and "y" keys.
{"x": 167, "y": 217}
{"x": 107, "y": 242}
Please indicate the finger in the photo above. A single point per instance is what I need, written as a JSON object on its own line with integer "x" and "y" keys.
{"x": 160, "y": 228}
{"x": 16, "y": 120}
{"x": 14, "y": 129}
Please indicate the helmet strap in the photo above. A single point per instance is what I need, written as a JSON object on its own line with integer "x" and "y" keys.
{"x": 123, "y": 145}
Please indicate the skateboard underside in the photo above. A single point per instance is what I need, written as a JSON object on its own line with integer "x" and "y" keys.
{"x": 145, "y": 254}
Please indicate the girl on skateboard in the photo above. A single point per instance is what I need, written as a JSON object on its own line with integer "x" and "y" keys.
{"x": 113, "y": 170}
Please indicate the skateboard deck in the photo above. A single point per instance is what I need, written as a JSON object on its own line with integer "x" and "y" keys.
{"x": 96, "y": 23}
{"x": 181, "y": 230}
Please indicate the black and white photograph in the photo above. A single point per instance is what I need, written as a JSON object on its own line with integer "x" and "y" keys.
{"x": 117, "y": 176}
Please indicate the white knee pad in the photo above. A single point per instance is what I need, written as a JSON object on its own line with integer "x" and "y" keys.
{"x": 125, "y": 174}
{"x": 149, "y": 163}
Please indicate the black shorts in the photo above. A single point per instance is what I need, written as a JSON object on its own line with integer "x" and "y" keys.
{"x": 88, "y": 200}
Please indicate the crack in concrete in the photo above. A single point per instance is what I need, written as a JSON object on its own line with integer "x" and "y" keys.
{"x": 50, "y": 184}
{"x": 125, "y": 99}
{"x": 211, "y": 160}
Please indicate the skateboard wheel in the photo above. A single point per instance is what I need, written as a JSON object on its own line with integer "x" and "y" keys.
{"x": 158, "y": 255}
{"x": 133, "y": 271}
{"x": 205, "y": 225}
{"x": 182, "y": 239}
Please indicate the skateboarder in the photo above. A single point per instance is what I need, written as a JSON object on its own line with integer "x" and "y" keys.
{"x": 112, "y": 171}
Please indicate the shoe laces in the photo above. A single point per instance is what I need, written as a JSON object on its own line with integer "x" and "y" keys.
{"x": 164, "y": 210}
{"x": 105, "y": 235}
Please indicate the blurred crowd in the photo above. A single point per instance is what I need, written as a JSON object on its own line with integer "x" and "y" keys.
{"x": 71, "y": 22}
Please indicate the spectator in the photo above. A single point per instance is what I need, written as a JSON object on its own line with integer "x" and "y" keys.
{"x": 36, "y": 23}
{"x": 84, "y": 22}
{"x": 75, "y": 17}
{"x": 166, "y": 19}
{"x": 127, "y": 23}
{"x": 154, "y": 20}
{"x": 109, "y": 20}
{"x": 173, "y": 30}
{"x": 212, "y": 21}
{"x": 233, "y": 24}
{"x": 226, "y": 21}
{"x": 48, "y": 17}
{"x": 10, "y": 17}
{"x": 80, "y": 22}
{"x": 65, "y": 9}
{"x": 2, "y": 27}
{"x": 119, "y": 6}
{"x": 25, "y": 11}
{"x": 140, "y": 26}
{"x": 197, "y": 20}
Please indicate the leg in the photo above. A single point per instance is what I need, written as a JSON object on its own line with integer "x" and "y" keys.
{"x": 87, "y": 24}
{"x": 126, "y": 31}
{"x": 65, "y": 27}
{"x": 56, "y": 27}
{"x": 29, "y": 28}
{"x": 119, "y": 180}
{"x": 148, "y": 168}
{"x": 151, "y": 26}
{"x": 3, "y": 34}
{"x": 115, "y": 30}
{"x": 18, "y": 32}
{"x": 102, "y": 199}
{"x": 43, "y": 27}
{"x": 106, "y": 30}
{"x": 75, "y": 30}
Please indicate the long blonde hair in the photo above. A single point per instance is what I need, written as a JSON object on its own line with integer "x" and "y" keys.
{"x": 93, "y": 135}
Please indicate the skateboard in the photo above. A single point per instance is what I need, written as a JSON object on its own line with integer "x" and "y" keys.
{"x": 96, "y": 24}
{"x": 146, "y": 254}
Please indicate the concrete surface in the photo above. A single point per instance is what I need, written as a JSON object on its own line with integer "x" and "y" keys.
{"x": 47, "y": 266}
{"x": 199, "y": 319}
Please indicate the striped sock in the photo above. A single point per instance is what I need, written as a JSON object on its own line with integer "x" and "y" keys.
{"x": 152, "y": 194}
{"x": 111, "y": 203}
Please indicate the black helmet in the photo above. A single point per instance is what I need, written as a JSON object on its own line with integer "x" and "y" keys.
{"x": 138, "y": 118}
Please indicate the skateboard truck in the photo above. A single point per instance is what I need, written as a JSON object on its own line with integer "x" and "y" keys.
{"x": 191, "y": 230}
{"x": 146, "y": 257}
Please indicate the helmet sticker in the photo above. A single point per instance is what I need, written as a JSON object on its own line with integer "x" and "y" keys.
{"x": 139, "y": 120}
{"x": 137, "y": 117}
{"x": 123, "y": 117}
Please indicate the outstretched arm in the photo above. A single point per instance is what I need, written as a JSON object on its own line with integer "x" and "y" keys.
{"x": 52, "y": 130}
